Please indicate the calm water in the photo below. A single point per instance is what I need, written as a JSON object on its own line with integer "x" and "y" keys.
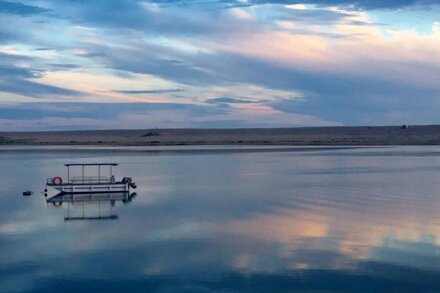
{"x": 354, "y": 219}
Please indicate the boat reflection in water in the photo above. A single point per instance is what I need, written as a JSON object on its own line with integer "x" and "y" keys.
{"x": 90, "y": 206}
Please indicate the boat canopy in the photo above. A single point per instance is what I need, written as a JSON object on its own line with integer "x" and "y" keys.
{"x": 83, "y": 178}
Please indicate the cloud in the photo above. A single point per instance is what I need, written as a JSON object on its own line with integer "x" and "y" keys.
{"x": 312, "y": 15}
{"x": 181, "y": 71}
{"x": 354, "y": 4}
{"x": 436, "y": 27}
{"x": 21, "y": 9}
{"x": 311, "y": 65}
{"x": 32, "y": 89}
{"x": 226, "y": 100}
{"x": 96, "y": 110}
{"x": 354, "y": 80}
{"x": 140, "y": 92}
{"x": 70, "y": 115}
{"x": 120, "y": 15}
{"x": 20, "y": 80}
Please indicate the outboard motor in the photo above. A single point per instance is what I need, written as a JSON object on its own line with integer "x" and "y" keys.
{"x": 132, "y": 185}
{"x": 126, "y": 180}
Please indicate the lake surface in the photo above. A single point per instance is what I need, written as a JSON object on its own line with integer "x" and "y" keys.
{"x": 321, "y": 219}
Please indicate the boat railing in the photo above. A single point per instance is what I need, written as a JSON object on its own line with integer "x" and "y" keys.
{"x": 85, "y": 180}
{"x": 89, "y": 180}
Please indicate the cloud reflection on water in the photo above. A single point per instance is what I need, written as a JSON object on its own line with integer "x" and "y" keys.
{"x": 250, "y": 222}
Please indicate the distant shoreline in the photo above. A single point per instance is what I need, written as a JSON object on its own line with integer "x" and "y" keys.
{"x": 298, "y": 136}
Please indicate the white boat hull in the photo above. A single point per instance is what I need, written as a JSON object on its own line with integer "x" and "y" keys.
{"x": 91, "y": 188}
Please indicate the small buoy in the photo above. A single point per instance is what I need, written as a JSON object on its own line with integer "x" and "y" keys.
{"x": 27, "y": 193}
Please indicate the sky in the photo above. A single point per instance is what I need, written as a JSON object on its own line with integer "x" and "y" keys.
{"x": 107, "y": 64}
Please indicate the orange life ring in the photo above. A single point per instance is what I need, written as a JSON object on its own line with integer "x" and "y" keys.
{"x": 57, "y": 180}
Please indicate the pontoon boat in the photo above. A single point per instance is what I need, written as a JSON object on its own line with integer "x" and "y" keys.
{"x": 90, "y": 184}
